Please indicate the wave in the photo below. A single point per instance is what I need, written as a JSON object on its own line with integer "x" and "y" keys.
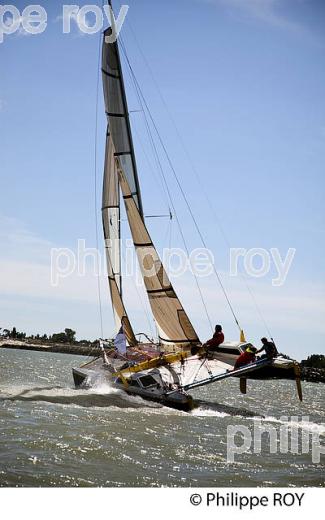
{"x": 101, "y": 395}
{"x": 304, "y": 424}
{"x": 208, "y": 409}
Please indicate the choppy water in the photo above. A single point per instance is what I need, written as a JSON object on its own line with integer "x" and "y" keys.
{"x": 54, "y": 435}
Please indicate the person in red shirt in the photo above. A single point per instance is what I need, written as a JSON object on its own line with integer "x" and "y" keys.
{"x": 216, "y": 340}
{"x": 246, "y": 357}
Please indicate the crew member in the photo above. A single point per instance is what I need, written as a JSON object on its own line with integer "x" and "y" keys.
{"x": 246, "y": 357}
{"x": 216, "y": 340}
{"x": 269, "y": 349}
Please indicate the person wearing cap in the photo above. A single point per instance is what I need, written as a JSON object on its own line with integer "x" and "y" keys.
{"x": 246, "y": 357}
{"x": 269, "y": 349}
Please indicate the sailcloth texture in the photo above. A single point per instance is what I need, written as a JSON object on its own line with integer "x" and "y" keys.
{"x": 118, "y": 116}
{"x": 111, "y": 228}
{"x": 172, "y": 321}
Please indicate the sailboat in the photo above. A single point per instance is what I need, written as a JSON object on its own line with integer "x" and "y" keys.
{"x": 162, "y": 371}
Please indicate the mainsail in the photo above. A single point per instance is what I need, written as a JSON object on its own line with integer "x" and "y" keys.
{"x": 118, "y": 144}
{"x": 172, "y": 321}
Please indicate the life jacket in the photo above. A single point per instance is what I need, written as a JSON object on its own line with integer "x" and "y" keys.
{"x": 245, "y": 358}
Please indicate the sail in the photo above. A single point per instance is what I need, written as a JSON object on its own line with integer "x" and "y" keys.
{"x": 111, "y": 228}
{"x": 118, "y": 116}
{"x": 172, "y": 321}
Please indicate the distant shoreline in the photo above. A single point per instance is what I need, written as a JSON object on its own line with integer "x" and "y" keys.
{"x": 62, "y": 348}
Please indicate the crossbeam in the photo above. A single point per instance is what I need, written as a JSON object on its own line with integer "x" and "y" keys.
{"x": 229, "y": 373}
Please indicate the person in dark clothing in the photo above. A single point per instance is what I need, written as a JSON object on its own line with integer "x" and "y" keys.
{"x": 216, "y": 340}
{"x": 269, "y": 349}
{"x": 246, "y": 357}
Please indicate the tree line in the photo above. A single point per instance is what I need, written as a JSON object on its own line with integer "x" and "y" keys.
{"x": 314, "y": 361}
{"x": 68, "y": 336}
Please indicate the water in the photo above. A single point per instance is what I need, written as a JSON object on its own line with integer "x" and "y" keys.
{"x": 54, "y": 435}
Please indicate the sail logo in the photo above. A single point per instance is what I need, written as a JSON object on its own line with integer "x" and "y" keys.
{"x": 88, "y": 19}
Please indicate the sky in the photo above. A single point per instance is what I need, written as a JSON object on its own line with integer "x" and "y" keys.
{"x": 236, "y": 89}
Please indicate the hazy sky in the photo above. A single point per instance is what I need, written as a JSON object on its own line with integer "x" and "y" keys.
{"x": 243, "y": 80}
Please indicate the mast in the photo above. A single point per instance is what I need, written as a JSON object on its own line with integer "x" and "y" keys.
{"x": 119, "y": 143}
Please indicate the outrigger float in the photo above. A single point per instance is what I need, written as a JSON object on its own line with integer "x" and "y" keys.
{"x": 167, "y": 370}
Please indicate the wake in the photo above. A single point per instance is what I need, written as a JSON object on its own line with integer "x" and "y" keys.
{"x": 210, "y": 409}
{"x": 101, "y": 395}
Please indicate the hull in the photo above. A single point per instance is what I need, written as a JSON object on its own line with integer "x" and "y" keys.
{"x": 79, "y": 378}
{"x": 274, "y": 372}
{"x": 94, "y": 373}
{"x": 281, "y": 367}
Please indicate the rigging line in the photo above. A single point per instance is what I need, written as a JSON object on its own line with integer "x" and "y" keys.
{"x": 181, "y": 190}
{"x": 151, "y": 168}
{"x": 214, "y": 213}
{"x": 257, "y": 307}
{"x": 157, "y": 216}
{"x": 180, "y": 228}
{"x": 95, "y": 192}
{"x": 198, "y": 370}
{"x": 158, "y": 162}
